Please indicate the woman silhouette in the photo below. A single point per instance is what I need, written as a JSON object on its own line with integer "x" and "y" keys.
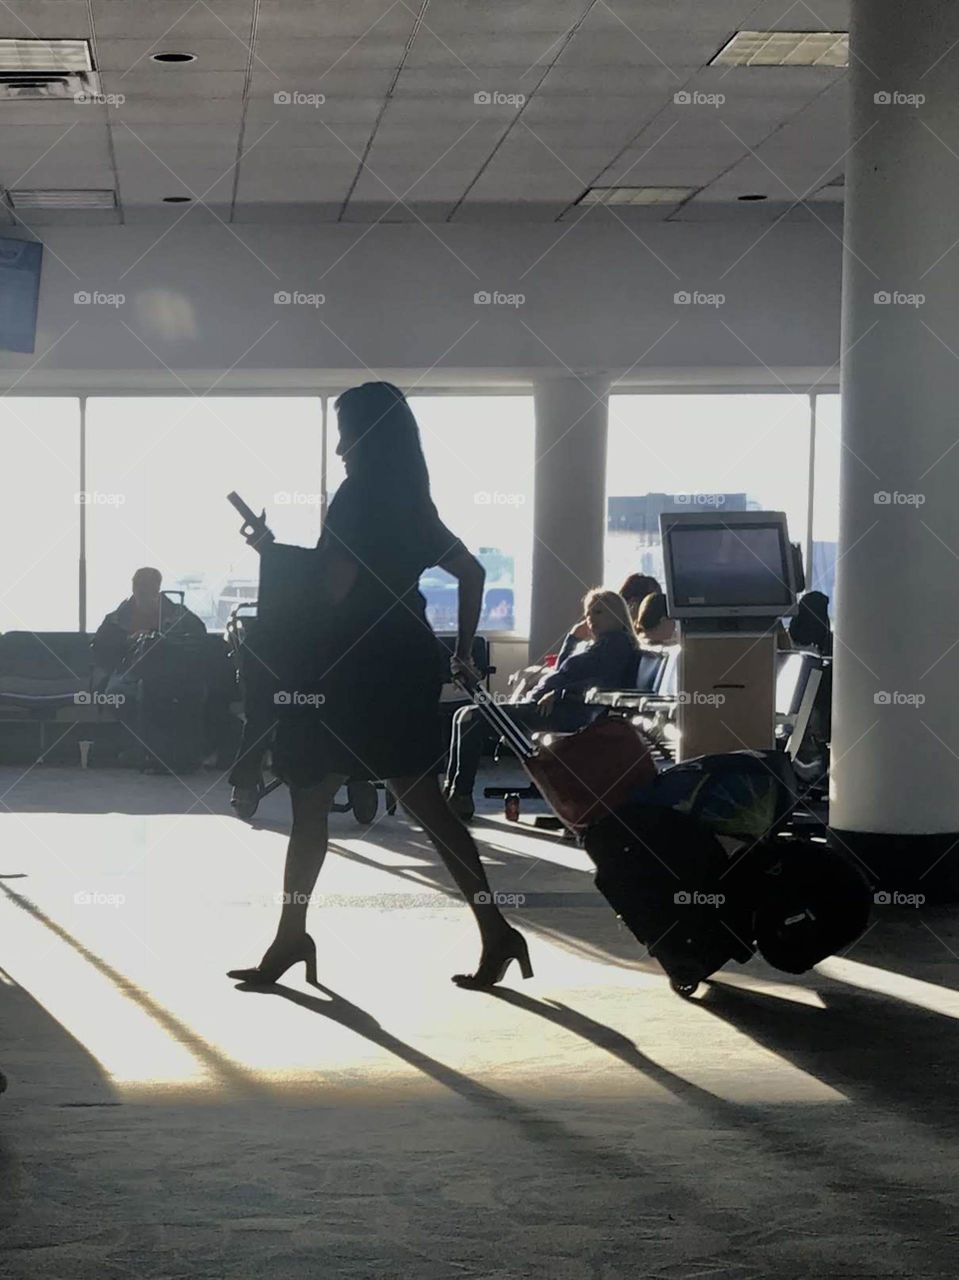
{"x": 382, "y": 671}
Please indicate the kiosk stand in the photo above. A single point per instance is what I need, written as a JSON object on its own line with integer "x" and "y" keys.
{"x": 729, "y": 581}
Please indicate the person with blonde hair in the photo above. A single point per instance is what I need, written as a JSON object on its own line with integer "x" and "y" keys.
{"x": 607, "y": 659}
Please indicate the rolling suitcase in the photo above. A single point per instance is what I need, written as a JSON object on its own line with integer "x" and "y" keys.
{"x": 583, "y": 776}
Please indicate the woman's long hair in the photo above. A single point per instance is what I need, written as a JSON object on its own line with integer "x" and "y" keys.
{"x": 379, "y": 432}
{"x": 614, "y": 604}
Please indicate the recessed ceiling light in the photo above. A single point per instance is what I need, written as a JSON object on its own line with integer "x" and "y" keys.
{"x": 45, "y": 55}
{"x": 785, "y": 49}
{"x": 34, "y": 198}
{"x": 177, "y": 199}
{"x": 174, "y": 57}
{"x": 752, "y": 196}
{"x": 636, "y": 195}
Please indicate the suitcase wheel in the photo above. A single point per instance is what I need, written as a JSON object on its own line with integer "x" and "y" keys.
{"x": 684, "y": 989}
{"x": 363, "y": 801}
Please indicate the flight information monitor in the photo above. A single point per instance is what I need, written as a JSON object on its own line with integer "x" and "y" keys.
{"x": 740, "y": 565}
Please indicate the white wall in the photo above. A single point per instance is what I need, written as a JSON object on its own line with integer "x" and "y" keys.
{"x": 199, "y": 300}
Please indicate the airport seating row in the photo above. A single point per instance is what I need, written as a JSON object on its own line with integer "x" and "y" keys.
{"x": 48, "y": 703}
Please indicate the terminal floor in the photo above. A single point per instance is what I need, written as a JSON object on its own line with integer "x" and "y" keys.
{"x": 585, "y": 1125}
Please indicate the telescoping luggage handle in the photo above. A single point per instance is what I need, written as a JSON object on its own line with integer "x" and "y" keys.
{"x": 496, "y": 716}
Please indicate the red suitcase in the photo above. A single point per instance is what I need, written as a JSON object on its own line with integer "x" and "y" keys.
{"x": 583, "y": 776}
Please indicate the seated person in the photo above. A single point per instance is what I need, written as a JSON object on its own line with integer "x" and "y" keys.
{"x": 653, "y": 625}
{"x": 606, "y": 659}
{"x": 145, "y": 611}
{"x": 810, "y": 628}
{"x": 161, "y": 696}
{"x": 635, "y": 590}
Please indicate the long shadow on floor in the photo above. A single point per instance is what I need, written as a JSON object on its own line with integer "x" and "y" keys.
{"x": 561, "y": 902}
{"x": 879, "y": 1051}
{"x": 43, "y": 1063}
{"x": 226, "y": 1072}
{"x": 564, "y": 1144}
{"x": 562, "y": 1141}
{"x": 921, "y": 944}
{"x": 782, "y": 1131}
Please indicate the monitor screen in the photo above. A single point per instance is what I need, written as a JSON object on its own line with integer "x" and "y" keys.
{"x": 720, "y": 565}
{"x": 19, "y": 290}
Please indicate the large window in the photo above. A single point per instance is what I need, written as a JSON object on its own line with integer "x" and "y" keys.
{"x": 700, "y": 453}
{"x": 39, "y": 514}
{"x": 825, "y": 517}
{"x": 158, "y": 471}
{"x": 479, "y": 450}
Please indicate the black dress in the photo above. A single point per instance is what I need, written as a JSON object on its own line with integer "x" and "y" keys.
{"x": 372, "y": 710}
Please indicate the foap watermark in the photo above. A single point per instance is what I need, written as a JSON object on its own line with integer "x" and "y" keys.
{"x": 491, "y": 697}
{"x": 894, "y": 898}
{"x": 897, "y": 699}
{"x": 694, "y": 898}
{"x": 94, "y": 298}
{"x": 496, "y": 98}
{"x": 298, "y": 698}
{"x": 898, "y": 98}
{"x": 95, "y": 898}
{"x": 297, "y": 899}
{"x": 84, "y": 99}
{"x": 696, "y": 298}
{"x": 94, "y": 498}
{"x": 896, "y": 298}
{"x": 699, "y": 499}
{"x": 696, "y": 698}
{"x": 494, "y": 298}
{"x": 495, "y": 498}
{"x": 696, "y": 98}
{"x": 296, "y": 498}
{"x": 89, "y": 698}
{"x": 296, "y": 298}
{"x": 499, "y": 899}
{"x": 297, "y": 98}
{"x": 893, "y": 498}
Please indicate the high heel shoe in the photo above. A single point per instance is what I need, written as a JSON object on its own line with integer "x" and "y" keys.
{"x": 495, "y": 961}
{"x": 269, "y": 970}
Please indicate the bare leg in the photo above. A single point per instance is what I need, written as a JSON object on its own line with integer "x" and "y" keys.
{"x": 304, "y": 858}
{"x": 422, "y": 799}
{"x": 306, "y": 852}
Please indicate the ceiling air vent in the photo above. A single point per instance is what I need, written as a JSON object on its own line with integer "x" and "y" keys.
{"x": 51, "y": 199}
{"x": 784, "y": 49}
{"x": 46, "y": 69}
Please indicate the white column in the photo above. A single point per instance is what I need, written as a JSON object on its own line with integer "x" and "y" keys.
{"x": 896, "y": 698}
{"x": 569, "y": 510}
